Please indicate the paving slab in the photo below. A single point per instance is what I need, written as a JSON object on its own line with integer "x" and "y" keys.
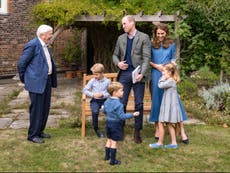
{"x": 19, "y": 124}
{"x": 5, "y": 122}
{"x": 194, "y": 121}
{"x": 52, "y": 121}
{"x": 23, "y": 116}
{"x": 10, "y": 115}
{"x": 19, "y": 118}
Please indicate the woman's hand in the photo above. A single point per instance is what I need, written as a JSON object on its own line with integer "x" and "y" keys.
{"x": 157, "y": 66}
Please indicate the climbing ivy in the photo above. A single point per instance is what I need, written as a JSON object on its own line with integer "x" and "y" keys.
{"x": 63, "y": 12}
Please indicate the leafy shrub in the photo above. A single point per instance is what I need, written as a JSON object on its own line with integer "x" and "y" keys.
{"x": 217, "y": 98}
{"x": 204, "y": 77}
{"x": 187, "y": 88}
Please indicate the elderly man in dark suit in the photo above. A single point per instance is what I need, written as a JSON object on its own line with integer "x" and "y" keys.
{"x": 133, "y": 48}
{"x": 38, "y": 72}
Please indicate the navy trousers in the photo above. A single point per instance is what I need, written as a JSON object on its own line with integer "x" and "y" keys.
{"x": 39, "y": 111}
{"x": 125, "y": 77}
{"x": 95, "y": 105}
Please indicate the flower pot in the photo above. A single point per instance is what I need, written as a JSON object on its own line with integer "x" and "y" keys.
{"x": 69, "y": 74}
{"x": 79, "y": 73}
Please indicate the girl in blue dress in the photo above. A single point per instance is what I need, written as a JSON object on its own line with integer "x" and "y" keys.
{"x": 163, "y": 52}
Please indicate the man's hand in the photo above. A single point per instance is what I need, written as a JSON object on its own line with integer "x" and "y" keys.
{"x": 123, "y": 65}
{"x": 139, "y": 77}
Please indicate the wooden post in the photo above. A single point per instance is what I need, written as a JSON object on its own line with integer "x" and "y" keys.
{"x": 84, "y": 49}
{"x": 177, "y": 20}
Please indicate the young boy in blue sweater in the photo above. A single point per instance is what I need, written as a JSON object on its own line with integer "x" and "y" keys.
{"x": 96, "y": 88}
{"x": 115, "y": 115}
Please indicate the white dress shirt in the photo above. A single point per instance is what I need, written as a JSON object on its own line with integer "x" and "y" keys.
{"x": 47, "y": 54}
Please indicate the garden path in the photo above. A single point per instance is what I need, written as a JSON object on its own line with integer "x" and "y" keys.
{"x": 19, "y": 117}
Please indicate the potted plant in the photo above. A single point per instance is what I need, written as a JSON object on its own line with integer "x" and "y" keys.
{"x": 72, "y": 54}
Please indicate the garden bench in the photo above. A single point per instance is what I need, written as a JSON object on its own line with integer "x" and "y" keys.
{"x": 85, "y": 105}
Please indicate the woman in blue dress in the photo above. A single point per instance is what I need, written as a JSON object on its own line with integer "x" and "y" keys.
{"x": 163, "y": 52}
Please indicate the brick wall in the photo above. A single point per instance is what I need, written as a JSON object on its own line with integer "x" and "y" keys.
{"x": 15, "y": 32}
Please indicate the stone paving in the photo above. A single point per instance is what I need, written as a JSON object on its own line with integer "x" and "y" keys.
{"x": 19, "y": 117}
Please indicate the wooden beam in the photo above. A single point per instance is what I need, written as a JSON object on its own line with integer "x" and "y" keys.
{"x": 138, "y": 18}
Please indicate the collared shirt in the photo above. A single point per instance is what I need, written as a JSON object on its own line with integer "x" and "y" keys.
{"x": 47, "y": 54}
{"x": 133, "y": 35}
{"x": 97, "y": 86}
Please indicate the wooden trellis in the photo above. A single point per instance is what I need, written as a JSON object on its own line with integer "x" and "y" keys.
{"x": 157, "y": 17}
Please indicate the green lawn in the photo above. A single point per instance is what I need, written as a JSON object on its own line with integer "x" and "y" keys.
{"x": 208, "y": 151}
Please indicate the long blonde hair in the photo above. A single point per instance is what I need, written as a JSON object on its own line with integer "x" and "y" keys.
{"x": 170, "y": 67}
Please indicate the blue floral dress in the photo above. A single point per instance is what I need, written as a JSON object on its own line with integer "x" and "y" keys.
{"x": 160, "y": 56}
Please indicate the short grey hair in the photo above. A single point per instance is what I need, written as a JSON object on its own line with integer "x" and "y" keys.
{"x": 130, "y": 18}
{"x": 43, "y": 29}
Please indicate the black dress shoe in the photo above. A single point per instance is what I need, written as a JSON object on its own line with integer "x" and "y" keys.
{"x": 36, "y": 140}
{"x": 99, "y": 134}
{"x": 45, "y": 135}
{"x": 116, "y": 162}
{"x": 138, "y": 140}
{"x": 186, "y": 141}
{"x": 137, "y": 137}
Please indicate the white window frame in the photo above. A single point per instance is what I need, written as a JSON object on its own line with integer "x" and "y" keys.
{"x": 3, "y": 8}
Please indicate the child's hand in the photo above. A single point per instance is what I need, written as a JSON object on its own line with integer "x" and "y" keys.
{"x": 98, "y": 95}
{"x": 136, "y": 114}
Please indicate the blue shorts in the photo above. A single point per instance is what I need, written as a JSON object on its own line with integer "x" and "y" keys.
{"x": 114, "y": 130}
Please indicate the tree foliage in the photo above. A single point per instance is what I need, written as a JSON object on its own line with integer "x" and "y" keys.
{"x": 204, "y": 35}
{"x": 210, "y": 35}
{"x": 63, "y": 12}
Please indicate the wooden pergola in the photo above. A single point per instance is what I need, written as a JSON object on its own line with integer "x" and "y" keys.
{"x": 157, "y": 17}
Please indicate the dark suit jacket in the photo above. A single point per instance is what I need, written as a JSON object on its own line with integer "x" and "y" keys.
{"x": 140, "y": 53}
{"x": 33, "y": 67}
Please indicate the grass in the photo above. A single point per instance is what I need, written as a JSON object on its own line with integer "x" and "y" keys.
{"x": 66, "y": 151}
{"x": 4, "y": 107}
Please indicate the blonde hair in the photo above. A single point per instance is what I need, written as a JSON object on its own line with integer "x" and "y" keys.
{"x": 170, "y": 67}
{"x": 97, "y": 68}
{"x": 114, "y": 86}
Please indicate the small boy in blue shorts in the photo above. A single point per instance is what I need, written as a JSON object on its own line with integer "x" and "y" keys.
{"x": 96, "y": 88}
{"x": 115, "y": 115}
